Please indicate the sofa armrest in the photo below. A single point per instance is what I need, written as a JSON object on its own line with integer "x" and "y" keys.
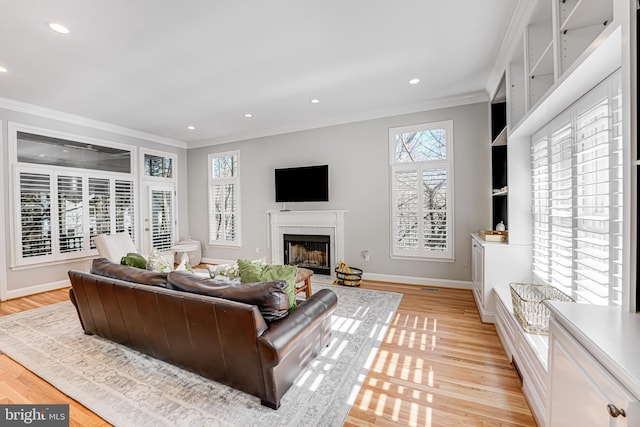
{"x": 282, "y": 335}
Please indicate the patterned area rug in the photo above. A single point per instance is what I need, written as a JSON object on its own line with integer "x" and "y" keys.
{"x": 128, "y": 388}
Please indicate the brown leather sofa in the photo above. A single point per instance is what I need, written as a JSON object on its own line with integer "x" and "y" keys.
{"x": 233, "y": 334}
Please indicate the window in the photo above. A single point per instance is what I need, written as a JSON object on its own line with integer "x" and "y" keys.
{"x": 224, "y": 199}
{"x": 421, "y": 163}
{"x": 577, "y": 198}
{"x": 61, "y": 199}
{"x": 158, "y": 165}
{"x": 46, "y": 150}
{"x": 62, "y": 212}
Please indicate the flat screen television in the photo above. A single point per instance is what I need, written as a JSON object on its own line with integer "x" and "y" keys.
{"x": 302, "y": 184}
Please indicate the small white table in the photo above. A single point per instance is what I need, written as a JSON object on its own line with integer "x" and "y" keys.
{"x": 183, "y": 249}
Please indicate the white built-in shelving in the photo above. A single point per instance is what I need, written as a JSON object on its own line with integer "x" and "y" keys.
{"x": 560, "y": 50}
{"x": 558, "y": 38}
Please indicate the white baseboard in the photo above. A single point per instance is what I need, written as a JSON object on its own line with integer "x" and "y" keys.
{"x": 217, "y": 261}
{"x": 36, "y": 289}
{"x": 419, "y": 281}
{"x": 405, "y": 280}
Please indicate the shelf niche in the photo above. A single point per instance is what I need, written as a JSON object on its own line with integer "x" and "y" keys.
{"x": 499, "y": 156}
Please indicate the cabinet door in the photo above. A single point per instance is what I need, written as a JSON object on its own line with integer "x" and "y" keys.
{"x": 582, "y": 392}
{"x": 477, "y": 270}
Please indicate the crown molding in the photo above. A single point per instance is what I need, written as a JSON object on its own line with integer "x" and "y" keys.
{"x": 23, "y": 107}
{"x": 434, "y": 104}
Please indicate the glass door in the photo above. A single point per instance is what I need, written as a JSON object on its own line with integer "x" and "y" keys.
{"x": 159, "y": 217}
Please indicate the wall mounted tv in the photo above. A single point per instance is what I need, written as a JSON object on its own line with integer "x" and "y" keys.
{"x": 302, "y": 184}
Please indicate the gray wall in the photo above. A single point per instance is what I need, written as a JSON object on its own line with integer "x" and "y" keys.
{"x": 358, "y": 159}
{"x": 34, "y": 276}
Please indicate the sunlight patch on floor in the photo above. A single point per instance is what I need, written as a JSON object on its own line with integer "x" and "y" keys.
{"x": 370, "y": 358}
{"x": 316, "y": 383}
{"x": 338, "y": 351}
{"x": 389, "y": 399}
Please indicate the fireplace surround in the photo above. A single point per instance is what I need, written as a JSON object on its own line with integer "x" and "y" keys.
{"x": 307, "y": 223}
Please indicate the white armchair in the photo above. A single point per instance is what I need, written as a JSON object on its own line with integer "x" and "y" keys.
{"x": 114, "y": 246}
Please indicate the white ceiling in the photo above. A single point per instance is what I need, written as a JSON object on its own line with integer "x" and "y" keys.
{"x": 158, "y": 66}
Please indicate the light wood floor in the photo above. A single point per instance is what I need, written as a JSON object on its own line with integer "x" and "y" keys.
{"x": 438, "y": 365}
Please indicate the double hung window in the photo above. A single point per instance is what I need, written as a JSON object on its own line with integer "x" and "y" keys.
{"x": 421, "y": 167}
{"x": 577, "y": 179}
{"x": 224, "y": 199}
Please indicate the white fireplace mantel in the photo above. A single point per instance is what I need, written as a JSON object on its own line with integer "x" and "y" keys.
{"x": 320, "y": 222}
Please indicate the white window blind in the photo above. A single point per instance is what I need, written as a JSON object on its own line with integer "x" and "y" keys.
{"x": 224, "y": 199}
{"x": 162, "y": 219}
{"x": 421, "y": 163}
{"x": 70, "y": 214}
{"x": 35, "y": 215}
{"x": 61, "y": 212}
{"x": 99, "y": 208}
{"x": 124, "y": 207}
{"x": 577, "y": 198}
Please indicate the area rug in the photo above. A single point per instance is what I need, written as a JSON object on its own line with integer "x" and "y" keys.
{"x": 128, "y": 388}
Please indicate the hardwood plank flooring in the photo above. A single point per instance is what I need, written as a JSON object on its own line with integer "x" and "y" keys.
{"x": 438, "y": 365}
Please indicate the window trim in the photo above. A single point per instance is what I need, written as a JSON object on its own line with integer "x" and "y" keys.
{"x": 235, "y": 180}
{"x": 448, "y": 165}
{"x": 18, "y": 262}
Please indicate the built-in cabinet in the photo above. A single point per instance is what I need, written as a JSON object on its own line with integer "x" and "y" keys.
{"x": 583, "y": 393}
{"x": 594, "y": 371}
{"x": 559, "y": 50}
{"x": 527, "y": 352}
{"x": 495, "y": 265}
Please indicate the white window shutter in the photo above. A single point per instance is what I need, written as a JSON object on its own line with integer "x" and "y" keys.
{"x": 577, "y": 164}
{"x": 162, "y": 219}
{"x": 224, "y": 199}
{"x": 99, "y": 208}
{"x": 70, "y": 213}
{"x": 124, "y": 207}
{"x": 35, "y": 215}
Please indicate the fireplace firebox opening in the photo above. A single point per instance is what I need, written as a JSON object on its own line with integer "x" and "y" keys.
{"x": 308, "y": 251}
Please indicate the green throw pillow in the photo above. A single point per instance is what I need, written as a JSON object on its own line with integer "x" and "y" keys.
{"x": 134, "y": 260}
{"x": 251, "y": 272}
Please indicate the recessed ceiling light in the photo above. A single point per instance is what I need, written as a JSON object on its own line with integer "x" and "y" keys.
{"x": 191, "y": 127}
{"x": 248, "y": 115}
{"x": 414, "y": 81}
{"x": 315, "y": 101}
{"x": 58, "y": 28}
{"x": 3, "y": 70}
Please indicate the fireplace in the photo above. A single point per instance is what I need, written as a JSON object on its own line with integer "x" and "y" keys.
{"x": 327, "y": 223}
{"x": 308, "y": 251}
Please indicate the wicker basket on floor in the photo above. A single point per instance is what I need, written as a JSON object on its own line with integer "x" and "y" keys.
{"x": 528, "y": 305}
{"x": 353, "y": 277}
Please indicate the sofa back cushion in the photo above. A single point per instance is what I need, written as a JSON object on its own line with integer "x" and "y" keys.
{"x": 271, "y": 298}
{"x": 106, "y": 268}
